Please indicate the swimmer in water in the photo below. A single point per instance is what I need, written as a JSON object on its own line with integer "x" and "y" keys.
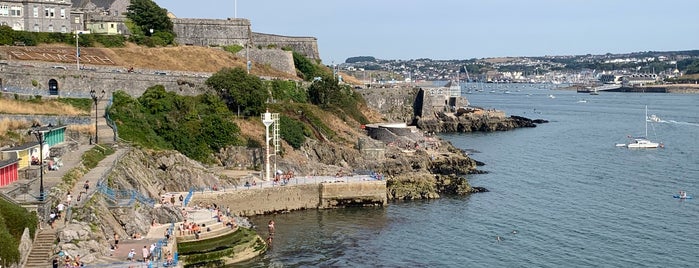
{"x": 514, "y": 231}
{"x": 498, "y": 238}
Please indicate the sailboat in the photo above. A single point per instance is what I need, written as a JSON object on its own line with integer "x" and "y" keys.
{"x": 643, "y": 142}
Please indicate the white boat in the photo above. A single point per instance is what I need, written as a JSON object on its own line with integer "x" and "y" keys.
{"x": 643, "y": 142}
{"x": 552, "y": 96}
{"x": 654, "y": 118}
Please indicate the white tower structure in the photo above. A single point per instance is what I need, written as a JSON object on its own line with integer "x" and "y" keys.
{"x": 267, "y": 120}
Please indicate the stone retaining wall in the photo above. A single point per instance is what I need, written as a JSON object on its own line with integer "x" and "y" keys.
{"x": 73, "y": 83}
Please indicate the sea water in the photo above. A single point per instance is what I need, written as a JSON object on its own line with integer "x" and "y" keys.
{"x": 561, "y": 195}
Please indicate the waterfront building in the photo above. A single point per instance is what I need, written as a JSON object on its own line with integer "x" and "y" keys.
{"x": 640, "y": 79}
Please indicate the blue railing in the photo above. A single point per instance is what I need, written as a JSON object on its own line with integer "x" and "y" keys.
{"x": 119, "y": 195}
{"x": 188, "y": 198}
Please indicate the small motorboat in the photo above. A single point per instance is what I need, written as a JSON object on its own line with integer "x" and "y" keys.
{"x": 682, "y": 197}
{"x": 654, "y": 118}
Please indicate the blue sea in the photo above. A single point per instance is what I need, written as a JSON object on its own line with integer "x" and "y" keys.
{"x": 561, "y": 194}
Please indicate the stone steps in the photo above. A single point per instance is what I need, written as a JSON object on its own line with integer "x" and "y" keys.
{"x": 217, "y": 229}
{"x": 42, "y": 249}
{"x": 104, "y": 132}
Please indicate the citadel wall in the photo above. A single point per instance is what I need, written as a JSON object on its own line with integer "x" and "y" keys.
{"x": 212, "y": 32}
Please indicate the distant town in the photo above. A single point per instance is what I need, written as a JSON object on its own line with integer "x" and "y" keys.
{"x": 632, "y": 69}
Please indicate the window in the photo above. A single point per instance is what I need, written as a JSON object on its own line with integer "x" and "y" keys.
{"x": 4, "y": 10}
{"x": 63, "y": 13}
{"x": 36, "y": 27}
{"x": 36, "y": 12}
{"x": 46, "y": 12}
{"x": 64, "y": 29}
{"x": 111, "y": 25}
{"x": 50, "y": 28}
{"x": 77, "y": 20}
{"x": 52, "y": 12}
{"x": 16, "y": 11}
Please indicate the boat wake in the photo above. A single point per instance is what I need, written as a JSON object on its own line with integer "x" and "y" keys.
{"x": 680, "y": 123}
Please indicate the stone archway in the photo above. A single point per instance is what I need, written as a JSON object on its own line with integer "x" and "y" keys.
{"x": 53, "y": 87}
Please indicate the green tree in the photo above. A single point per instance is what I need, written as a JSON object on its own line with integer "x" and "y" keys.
{"x": 308, "y": 69}
{"x": 147, "y": 15}
{"x": 241, "y": 91}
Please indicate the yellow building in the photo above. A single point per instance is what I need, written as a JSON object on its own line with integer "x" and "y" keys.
{"x": 23, "y": 153}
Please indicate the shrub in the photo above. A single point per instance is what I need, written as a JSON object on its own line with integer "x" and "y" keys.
{"x": 111, "y": 40}
{"x": 292, "y": 131}
{"x": 233, "y": 48}
{"x": 195, "y": 126}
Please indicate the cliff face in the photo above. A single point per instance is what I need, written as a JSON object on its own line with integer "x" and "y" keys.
{"x": 430, "y": 111}
{"x": 149, "y": 173}
{"x": 486, "y": 121}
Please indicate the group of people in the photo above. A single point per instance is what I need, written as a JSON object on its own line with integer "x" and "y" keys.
{"x": 67, "y": 262}
{"x": 186, "y": 228}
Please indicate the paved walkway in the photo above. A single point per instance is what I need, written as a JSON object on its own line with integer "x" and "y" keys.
{"x": 96, "y": 175}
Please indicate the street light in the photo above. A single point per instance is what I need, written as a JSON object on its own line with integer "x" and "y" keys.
{"x": 96, "y": 99}
{"x": 77, "y": 48}
{"x": 39, "y": 134}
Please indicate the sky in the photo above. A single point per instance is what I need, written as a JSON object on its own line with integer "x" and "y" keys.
{"x": 464, "y": 29}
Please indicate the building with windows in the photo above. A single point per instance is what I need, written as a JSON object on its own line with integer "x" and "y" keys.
{"x": 100, "y": 16}
{"x": 36, "y": 15}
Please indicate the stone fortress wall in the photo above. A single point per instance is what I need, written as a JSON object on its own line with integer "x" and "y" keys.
{"x": 211, "y": 32}
{"x": 308, "y": 46}
{"x": 261, "y": 48}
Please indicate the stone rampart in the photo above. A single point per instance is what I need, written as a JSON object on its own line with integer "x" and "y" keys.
{"x": 256, "y": 201}
{"x": 307, "y": 46}
{"x": 276, "y": 58}
{"x": 220, "y": 32}
{"x": 212, "y": 32}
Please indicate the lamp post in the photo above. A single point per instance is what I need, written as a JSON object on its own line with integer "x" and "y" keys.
{"x": 96, "y": 99}
{"x": 77, "y": 48}
{"x": 39, "y": 134}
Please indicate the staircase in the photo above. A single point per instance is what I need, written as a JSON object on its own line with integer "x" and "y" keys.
{"x": 42, "y": 248}
{"x": 104, "y": 131}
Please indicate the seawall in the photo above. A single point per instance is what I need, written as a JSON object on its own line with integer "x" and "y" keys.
{"x": 257, "y": 201}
